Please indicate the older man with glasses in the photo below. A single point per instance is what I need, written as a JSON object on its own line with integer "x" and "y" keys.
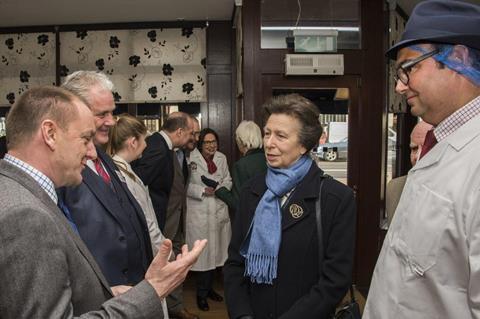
{"x": 429, "y": 266}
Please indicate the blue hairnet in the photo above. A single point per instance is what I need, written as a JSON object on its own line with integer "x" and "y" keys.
{"x": 471, "y": 71}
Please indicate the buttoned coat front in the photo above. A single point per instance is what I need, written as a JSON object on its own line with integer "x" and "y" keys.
{"x": 207, "y": 216}
{"x": 300, "y": 290}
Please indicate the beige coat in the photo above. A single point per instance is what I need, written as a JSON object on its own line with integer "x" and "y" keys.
{"x": 207, "y": 216}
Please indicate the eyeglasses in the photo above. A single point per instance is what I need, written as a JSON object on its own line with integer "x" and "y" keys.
{"x": 404, "y": 69}
{"x": 210, "y": 142}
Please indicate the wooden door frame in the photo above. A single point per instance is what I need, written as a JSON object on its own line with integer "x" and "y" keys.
{"x": 272, "y": 82}
{"x": 369, "y": 65}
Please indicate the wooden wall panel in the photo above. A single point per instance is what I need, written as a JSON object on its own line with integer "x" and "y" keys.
{"x": 217, "y": 112}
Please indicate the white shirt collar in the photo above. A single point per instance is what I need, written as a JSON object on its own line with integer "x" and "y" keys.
{"x": 167, "y": 139}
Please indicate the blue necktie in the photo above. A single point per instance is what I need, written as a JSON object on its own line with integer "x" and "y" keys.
{"x": 67, "y": 214}
{"x": 180, "y": 157}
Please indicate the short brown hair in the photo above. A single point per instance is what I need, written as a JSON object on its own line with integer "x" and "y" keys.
{"x": 303, "y": 110}
{"x": 175, "y": 121}
{"x": 125, "y": 127}
{"x": 36, "y": 105}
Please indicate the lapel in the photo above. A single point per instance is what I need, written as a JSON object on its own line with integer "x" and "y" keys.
{"x": 170, "y": 157}
{"x": 301, "y": 203}
{"x": 197, "y": 158}
{"x": 455, "y": 141}
{"x": 31, "y": 185}
{"x": 104, "y": 192}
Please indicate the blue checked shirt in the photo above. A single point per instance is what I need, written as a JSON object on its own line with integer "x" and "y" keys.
{"x": 44, "y": 182}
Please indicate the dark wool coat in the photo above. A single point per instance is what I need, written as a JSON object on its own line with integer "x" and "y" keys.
{"x": 300, "y": 290}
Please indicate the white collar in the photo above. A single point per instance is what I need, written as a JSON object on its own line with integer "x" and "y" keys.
{"x": 167, "y": 139}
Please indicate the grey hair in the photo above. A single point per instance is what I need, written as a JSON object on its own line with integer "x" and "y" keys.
{"x": 249, "y": 135}
{"x": 81, "y": 82}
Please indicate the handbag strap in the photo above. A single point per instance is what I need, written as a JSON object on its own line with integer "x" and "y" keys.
{"x": 318, "y": 213}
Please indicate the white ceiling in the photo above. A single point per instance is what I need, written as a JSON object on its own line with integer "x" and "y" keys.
{"x": 14, "y": 13}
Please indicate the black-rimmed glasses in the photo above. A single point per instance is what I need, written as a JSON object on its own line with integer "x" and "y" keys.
{"x": 405, "y": 68}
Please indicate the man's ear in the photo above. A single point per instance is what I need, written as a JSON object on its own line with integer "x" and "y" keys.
{"x": 460, "y": 55}
{"x": 49, "y": 131}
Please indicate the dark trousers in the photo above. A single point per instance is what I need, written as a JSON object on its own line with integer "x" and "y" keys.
{"x": 204, "y": 282}
{"x": 175, "y": 298}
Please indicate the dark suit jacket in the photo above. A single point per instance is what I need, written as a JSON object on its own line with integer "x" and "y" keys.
{"x": 155, "y": 169}
{"x": 249, "y": 166}
{"x": 46, "y": 269}
{"x": 111, "y": 223}
{"x": 3, "y": 146}
{"x": 300, "y": 290}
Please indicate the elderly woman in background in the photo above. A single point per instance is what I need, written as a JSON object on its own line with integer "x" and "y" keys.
{"x": 207, "y": 216}
{"x": 249, "y": 142}
{"x": 276, "y": 267}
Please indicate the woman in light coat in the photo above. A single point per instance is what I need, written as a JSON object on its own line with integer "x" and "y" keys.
{"x": 126, "y": 143}
{"x": 207, "y": 216}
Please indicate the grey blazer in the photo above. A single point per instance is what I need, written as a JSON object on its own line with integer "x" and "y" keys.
{"x": 46, "y": 270}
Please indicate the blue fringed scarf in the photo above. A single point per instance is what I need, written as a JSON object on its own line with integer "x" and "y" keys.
{"x": 261, "y": 245}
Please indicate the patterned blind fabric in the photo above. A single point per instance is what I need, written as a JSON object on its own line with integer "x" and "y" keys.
{"x": 149, "y": 65}
{"x": 146, "y": 65}
{"x": 26, "y": 60}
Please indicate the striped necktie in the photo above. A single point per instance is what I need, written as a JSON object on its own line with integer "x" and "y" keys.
{"x": 101, "y": 171}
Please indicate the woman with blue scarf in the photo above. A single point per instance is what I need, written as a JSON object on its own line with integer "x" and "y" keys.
{"x": 273, "y": 268}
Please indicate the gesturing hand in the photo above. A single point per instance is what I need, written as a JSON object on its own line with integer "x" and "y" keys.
{"x": 163, "y": 275}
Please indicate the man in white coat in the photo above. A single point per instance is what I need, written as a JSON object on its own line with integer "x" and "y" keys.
{"x": 429, "y": 266}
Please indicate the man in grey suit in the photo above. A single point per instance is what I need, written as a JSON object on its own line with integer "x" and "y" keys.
{"x": 46, "y": 270}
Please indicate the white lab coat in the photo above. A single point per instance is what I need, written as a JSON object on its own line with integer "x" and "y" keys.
{"x": 429, "y": 266}
{"x": 207, "y": 216}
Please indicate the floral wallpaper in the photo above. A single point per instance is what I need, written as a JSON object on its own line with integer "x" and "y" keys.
{"x": 148, "y": 65}
{"x": 26, "y": 60}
